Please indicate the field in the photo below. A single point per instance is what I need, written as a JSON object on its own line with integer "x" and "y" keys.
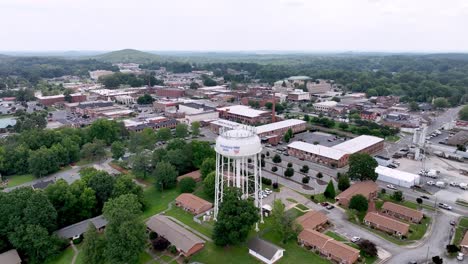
{"x": 187, "y": 218}
{"x": 19, "y": 179}
{"x": 459, "y": 232}
{"x": 157, "y": 201}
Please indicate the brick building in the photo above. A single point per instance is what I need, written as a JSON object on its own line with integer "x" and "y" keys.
{"x": 170, "y": 92}
{"x": 193, "y": 204}
{"x": 367, "y": 189}
{"x": 386, "y": 224}
{"x": 54, "y": 99}
{"x": 402, "y": 212}
{"x": 244, "y": 114}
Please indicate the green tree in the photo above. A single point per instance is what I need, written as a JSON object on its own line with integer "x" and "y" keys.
{"x": 201, "y": 150}
{"x": 103, "y": 129}
{"x": 289, "y": 172}
{"x": 67, "y": 95}
{"x": 343, "y": 182}
{"x": 195, "y": 127}
{"x": 64, "y": 202}
{"x": 413, "y": 106}
{"x": 276, "y": 158}
{"x": 284, "y": 223}
{"x": 145, "y": 99}
{"x": 359, "y": 203}
{"x": 124, "y": 184}
{"x": 397, "y": 196}
{"x": 208, "y": 165}
{"x": 362, "y": 167}
{"x": 286, "y": 137}
{"x": 441, "y": 102}
{"x": 231, "y": 227}
{"x": 319, "y": 175}
{"x": 103, "y": 185}
{"x": 343, "y": 126}
{"x": 42, "y": 162}
{"x": 93, "y": 151}
{"x": 209, "y": 82}
{"x": 93, "y": 246}
{"x": 463, "y": 114}
{"x": 163, "y": 134}
{"x": 181, "y": 131}
{"x": 166, "y": 175}
{"x": 141, "y": 164}
{"x": 330, "y": 190}
{"x": 125, "y": 233}
{"x": 194, "y": 85}
{"x": 187, "y": 185}
{"x": 305, "y": 169}
{"x": 118, "y": 150}
{"x": 209, "y": 184}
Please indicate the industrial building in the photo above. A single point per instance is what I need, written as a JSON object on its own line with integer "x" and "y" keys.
{"x": 326, "y": 106}
{"x": 154, "y": 123}
{"x": 54, "y": 99}
{"x": 298, "y": 95}
{"x": 397, "y": 177}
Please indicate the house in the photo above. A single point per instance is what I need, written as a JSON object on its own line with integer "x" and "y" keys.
{"x": 10, "y": 257}
{"x": 196, "y": 175}
{"x": 312, "y": 220}
{"x": 333, "y": 250}
{"x": 402, "y": 212}
{"x": 192, "y": 203}
{"x": 264, "y": 250}
{"x": 185, "y": 241}
{"x": 386, "y": 224}
{"x": 368, "y": 189}
{"x": 464, "y": 243}
{"x": 76, "y": 230}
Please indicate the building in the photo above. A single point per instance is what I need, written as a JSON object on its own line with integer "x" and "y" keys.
{"x": 200, "y": 117}
{"x": 170, "y": 92}
{"x": 318, "y": 154}
{"x": 362, "y": 144}
{"x": 193, "y": 204}
{"x": 218, "y": 125}
{"x": 10, "y": 257}
{"x": 328, "y": 247}
{"x": 194, "y": 108}
{"x": 402, "y": 212}
{"x": 83, "y": 107}
{"x": 125, "y": 99}
{"x": 244, "y": 114}
{"x": 274, "y": 132}
{"x": 386, "y": 224}
{"x": 96, "y": 74}
{"x": 154, "y": 123}
{"x": 367, "y": 189}
{"x": 298, "y": 95}
{"x": 464, "y": 243}
{"x": 165, "y": 106}
{"x": 313, "y": 220}
{"x": 460, "y": 138}
{"x": 397, "y": 177}
{"x": 54, "y": 99}
{"x": 265, "y": 251}
{"x": 196, "y": 175}
{"x": 185, "y": 241}
{"x": 76, "y": 230}
{"x": 326, "y": 106}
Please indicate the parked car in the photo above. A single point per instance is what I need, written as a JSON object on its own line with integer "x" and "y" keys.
{"x": 445, "y": 206}
{"x": 425, "y": 197}
{"x": 454, "y": 184}
{"x": 392, "y": 166}
{"x": 330, "y": 207}
{"x": 431, "y": 183}
{"x": 324, "y": 204}
{"x": 453, "y": 223}
{"x": 355, "y": 239}
{"x": 460, "y": 256}
{"x": 390, "y": 186}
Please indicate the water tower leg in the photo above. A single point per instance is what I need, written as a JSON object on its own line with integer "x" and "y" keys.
{"x": 256, "y": 227}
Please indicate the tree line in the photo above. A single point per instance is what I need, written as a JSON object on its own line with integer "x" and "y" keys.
{"x": 129, "y": 79}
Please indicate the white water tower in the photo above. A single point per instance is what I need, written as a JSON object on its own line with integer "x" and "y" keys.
{"x": 238, "y": 165}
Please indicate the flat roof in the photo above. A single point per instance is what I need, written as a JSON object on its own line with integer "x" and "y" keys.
{"x": 10, "y": 257}
{"x": 358, "y": 143}
{"x": 242, "y": 110}
{"x": 279, "y": 125}
{"x": 327, "y": 103}
{"x": 320, "y": 150}
{"x": 397, "y": 174}
{"x": 226, "y": 123}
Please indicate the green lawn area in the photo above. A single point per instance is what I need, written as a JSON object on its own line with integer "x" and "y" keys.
{"x": 460, "y": 230}
{"x": 16, "y": 180}
{"x": 417, "y": 231}
{"x": 65, "y": 257}
{"x": 302, "y": 207}
{"x": 291, "y": 200}
{"x": 200, "y": 192}
{"x": 407, "y": 203}
{"x": 320, "y": 198}
{"x": 157, "y": 201}
{"x": 335, "y": 236}
{"x": 295, "y": 212}
{"x": 187, "y": 219}
{"x": 392, "y": 138}
{"x": 229, "y": 255}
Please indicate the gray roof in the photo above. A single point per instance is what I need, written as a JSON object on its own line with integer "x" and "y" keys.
{"x": 42, "y": 184}
{"x": 264, "y": 248}
{"x": 81, "y": 227}
{"x": 180, "y": 237}
{"x": 10, "y": 257}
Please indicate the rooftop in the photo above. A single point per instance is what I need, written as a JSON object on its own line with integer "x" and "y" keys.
{"x": 242, "y": 110}
{"x": 358, "y": 143}
{"x": 387, "y": 222}
{"x": 10, "y": 257}
{"x": 364, "y": 188}
{"x": 193, "y": 201}
{"x": 327, "y": 103}
{"x": 279, "y": 125}
{"x": 81, "y": 227}
{"x": 324, "y": 151}
{"x": 264, "y": 248}
{"x": 312, "y": 219}
{"x": 397, "y": 174}
{"x": 403, "y": 210}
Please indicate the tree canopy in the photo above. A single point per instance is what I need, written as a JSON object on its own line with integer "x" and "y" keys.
{"x": 362, "y": 167}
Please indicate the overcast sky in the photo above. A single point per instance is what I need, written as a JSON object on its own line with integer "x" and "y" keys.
{"x": 234, "y": 25}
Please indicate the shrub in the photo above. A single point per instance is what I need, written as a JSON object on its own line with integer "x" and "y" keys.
{"x": 262, "y": 163}
{"x": 305, "y": 169}
{"x": 160, "y": 243}
{"x": 153, "y": 235}
{"x": 266, "y": 181}
{"x": 343, "y": 182}
{"x": 289, "y": 172}
{"x": 305, "y": 180}
{"x": 277, "y": 158}
{"x": 330, "y": 191}
{"x": 397, "y": 196}
{"x": 290, "y": 165}
{"x": 368, "y": 248}
{"x": 268, "y": 153}
{"x": 312, "y": 197}
{"x": 275, "y": 185}
{"x": 187, "y": 185}
{"x": 452, "y": 248}
{"x": 78, "y": 240}
{"x": 172, "y": 249}
{"x": 437, "y": 260}
{"x": 359, "y": 203}
{"x": 262, "y": 156}
{"x": 319, "y": 175}
{"x": 274, "y": 169}
{"x": 383, "y": 191}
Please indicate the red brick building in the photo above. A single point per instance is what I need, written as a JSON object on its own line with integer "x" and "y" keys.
{"x": 169, "y": 92}
{"x": 54, "y": 99}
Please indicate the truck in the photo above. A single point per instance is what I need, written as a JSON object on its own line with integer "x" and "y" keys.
{"x": 432, "y": 174}
{"x": 440, "y": 184}
{"x": 463, "y": 186}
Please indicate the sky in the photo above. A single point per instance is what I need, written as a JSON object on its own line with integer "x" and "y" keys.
{"x": 235, "y": 25}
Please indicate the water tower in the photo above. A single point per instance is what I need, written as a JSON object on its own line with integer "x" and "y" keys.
{"x": 238, "y": 165}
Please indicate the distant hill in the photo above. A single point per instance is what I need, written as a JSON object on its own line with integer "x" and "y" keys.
{"x": 127, "y": 55}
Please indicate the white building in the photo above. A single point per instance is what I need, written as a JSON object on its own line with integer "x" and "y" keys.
{"x": 203, "y": 116}
{"x": 194, "y": 108}
{"x": 397, "y": 177}
{"x": 298, "y": 95}
{"x": 264, "y": 250}
{"x": 325, "y": 106}
{"x": 125, "y": 99}
{"x": 96, "y": 74}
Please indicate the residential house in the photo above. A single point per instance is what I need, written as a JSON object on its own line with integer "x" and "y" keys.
{"x": 367, "y": 189}
{"x": 76, "y": 230}
{"x": 402, "y": 212}
{"x": 265, "y": 251}
{"x": 386, "y": 224}
{"x": 196, "y": 175}
{"x": 192, "y": 203}
{"x": 314, "y": 220}
{"x": 464, "y": 243}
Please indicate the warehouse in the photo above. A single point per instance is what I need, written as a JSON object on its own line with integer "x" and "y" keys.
{"x": 318, "y": 154}
{"x": 397, "y": 177}
{"x": 362, "y": 144}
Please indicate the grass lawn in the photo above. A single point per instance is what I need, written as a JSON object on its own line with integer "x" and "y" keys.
{"x": 166, "y": 258}
{"x": 335, "y": 236}
{"x": 200, "y": 192}
{"x": 144, "y": 257}
{"x": 320, "y": 198}
{"x": 407, "y": 203}
{"x": 157, "y": 201}
{"x": 392, "y": 138}
{"x": 417, "y": 231}
{"x": 291, "y": 200}
{"x": 295, "y": 212}
{"x": 229, "y": 255}
{"x": 460, "y": 230}
{"x": 16, "y": 180}
{"x": 186, "y": 218}
{"x": 65, "y": 257}
{"x": 302, "y": 207}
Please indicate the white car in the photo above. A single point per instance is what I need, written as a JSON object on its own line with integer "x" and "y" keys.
{"x": 454, "y": 184}
{"x": 355, "y": 239}
{"x": 460, "y": 256}
{"x": 430, "y": 183}
{"x": 390, "y": 186}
